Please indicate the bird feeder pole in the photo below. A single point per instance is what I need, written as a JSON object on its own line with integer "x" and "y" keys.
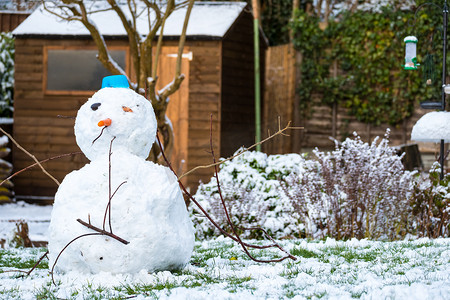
{"x": 444, "y": 88}
{"x": 257, "y": 74}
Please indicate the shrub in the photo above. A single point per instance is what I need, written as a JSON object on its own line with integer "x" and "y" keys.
{"x": 358, "y": 190}
{"x": 6, "y": 74}
{"x": 250, "y": 188}
{"x": 431, "y": 204}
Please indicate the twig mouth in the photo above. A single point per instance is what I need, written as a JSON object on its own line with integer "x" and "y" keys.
{"x": 101, "y": 132}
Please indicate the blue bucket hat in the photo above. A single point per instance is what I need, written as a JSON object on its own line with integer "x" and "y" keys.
{"x": 115, "y": 81}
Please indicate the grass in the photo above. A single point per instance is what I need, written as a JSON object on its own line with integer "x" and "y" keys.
{"x": 324, "y": 269}
{"x": 13, "y": 258}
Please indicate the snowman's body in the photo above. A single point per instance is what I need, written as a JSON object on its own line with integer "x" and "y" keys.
{"x": 147, "y": 207}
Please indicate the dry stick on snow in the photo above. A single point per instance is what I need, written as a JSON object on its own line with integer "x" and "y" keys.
{"x": 242, "y": 243}
{"x": 30, "y": 155}
{"x": 38, "y": 163}
{"x": 38, "y": 262}
{"x": 31, "y": 270}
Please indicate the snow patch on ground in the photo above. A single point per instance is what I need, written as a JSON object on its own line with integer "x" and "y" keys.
{"x": 37, "y": 217}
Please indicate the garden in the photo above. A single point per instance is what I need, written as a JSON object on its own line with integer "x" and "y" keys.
{"x": 357, "y": 224}
{"x": 346, "y": 223}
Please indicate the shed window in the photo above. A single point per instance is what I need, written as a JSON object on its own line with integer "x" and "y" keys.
{"x": 78, "y": 69}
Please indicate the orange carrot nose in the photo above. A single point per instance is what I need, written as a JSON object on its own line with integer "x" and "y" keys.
{"x": 105, "y": 122}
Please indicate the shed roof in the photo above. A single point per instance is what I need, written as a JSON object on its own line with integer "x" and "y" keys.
{"x": 207, "y": 19}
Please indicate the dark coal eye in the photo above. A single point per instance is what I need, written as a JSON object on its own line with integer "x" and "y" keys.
{"x": 95, "y": 106}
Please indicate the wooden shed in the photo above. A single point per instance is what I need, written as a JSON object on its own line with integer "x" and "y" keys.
{"x": 57, "y": 71}
{"x": 9, "y": 20}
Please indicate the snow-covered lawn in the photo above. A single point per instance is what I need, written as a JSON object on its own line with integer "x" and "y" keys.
{"x": 418, "y": 269}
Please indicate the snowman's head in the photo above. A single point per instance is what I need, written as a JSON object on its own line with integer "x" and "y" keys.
{"x": 115, "y": 113}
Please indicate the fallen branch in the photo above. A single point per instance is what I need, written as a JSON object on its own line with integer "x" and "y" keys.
{"x": 30, "y": 155}
{"x": 38, "y": 262}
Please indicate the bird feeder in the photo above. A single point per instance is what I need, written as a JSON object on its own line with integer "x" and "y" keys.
{"x": 410, "y": 53}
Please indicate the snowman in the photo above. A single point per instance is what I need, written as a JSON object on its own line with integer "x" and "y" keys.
{"x": 118, "y": 192}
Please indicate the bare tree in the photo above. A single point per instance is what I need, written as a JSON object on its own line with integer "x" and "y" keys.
{"x": 141, "y": 46}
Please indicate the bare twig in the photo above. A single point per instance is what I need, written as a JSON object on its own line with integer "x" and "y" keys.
{"x": 40, "y": 162}
{"x": 101, "y": 132}
{"x": 37, "y": 263}
{"x": 279, "y": 132}
{"x": 103, "y": 232}
{"x": 183, "y": 188}
{"x": 236, "y": 239}
{"x": 30, "y": 155}
{"x": 216, "y": 171}
{"x": 65, "y": 247}
{"x": 27, "y": 273}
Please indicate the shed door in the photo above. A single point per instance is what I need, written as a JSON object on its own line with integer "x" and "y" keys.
{"x": 177, "y": 110}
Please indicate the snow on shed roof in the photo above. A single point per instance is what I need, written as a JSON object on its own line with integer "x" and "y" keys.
{"x": 212, "y": 19}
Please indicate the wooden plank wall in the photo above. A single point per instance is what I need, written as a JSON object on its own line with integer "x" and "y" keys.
{"x": 238, "y": 104}
{"x": 324, "y": 121}
{"x": 178, "y": 108}
{"x": 36, "y": 125}
{"x": 204, "y": 103}
{"x": 10, "y": 20}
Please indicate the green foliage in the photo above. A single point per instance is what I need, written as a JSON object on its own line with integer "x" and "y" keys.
{"x": 367, "y": 50}
{"x": 275, "y": 16}
{"x": 6, "y": 74}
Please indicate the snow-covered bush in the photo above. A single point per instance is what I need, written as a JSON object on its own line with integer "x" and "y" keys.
{"x": 6, "y": 74}
{"x": 250, "y": 187}
{"x": 359, "y": 190}
{"x": 431, "y": 204}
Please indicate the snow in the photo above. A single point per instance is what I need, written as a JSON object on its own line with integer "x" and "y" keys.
{"x": 403, "y": 270}
{"x": 410, "y": 38}
{"x": 432, "y": 127}
{"x": 127, "y": 127}
{"x": 119, "y": 192}
{"x": 206, "y": 19}
{"x": 37, "y": 217}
